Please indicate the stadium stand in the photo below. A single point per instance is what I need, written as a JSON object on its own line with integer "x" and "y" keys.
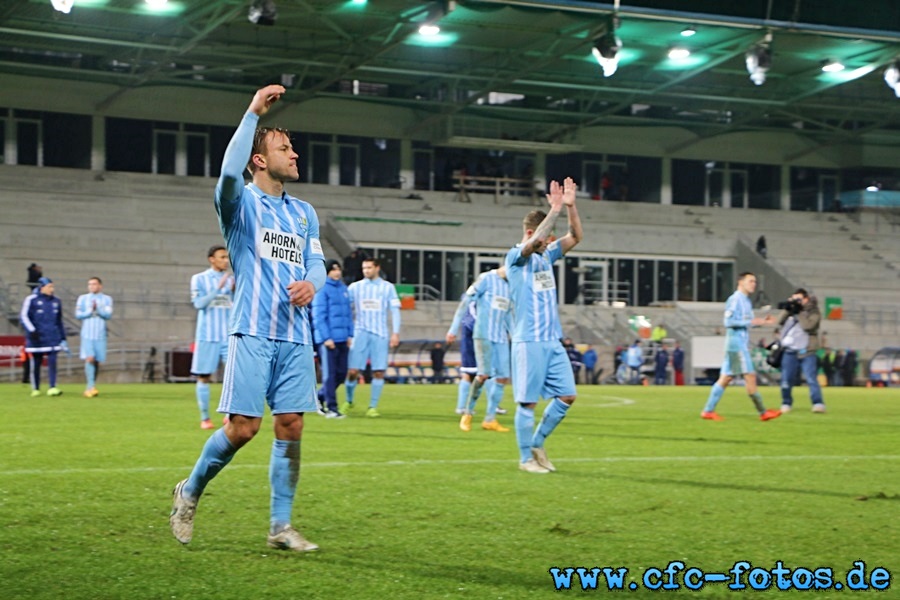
{"x": 145, "y": 235}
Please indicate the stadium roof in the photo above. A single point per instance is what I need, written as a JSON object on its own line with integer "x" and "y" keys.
{"x": 520, "y": 70}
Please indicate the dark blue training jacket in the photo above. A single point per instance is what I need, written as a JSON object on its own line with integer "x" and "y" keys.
{"x": 41, "y": 317}
{"x": 332, "y": 315}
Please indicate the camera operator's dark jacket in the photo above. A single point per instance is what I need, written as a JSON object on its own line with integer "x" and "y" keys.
{"x": 809, "y": 319}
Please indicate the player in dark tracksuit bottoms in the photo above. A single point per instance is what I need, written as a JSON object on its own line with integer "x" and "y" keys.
{"x": 45, "y": 335}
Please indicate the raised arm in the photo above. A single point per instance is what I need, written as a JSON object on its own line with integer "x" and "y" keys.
{"x": 575, "y": 233}
{"x": 237, "y": 154}
{"x": 538, "y": 240}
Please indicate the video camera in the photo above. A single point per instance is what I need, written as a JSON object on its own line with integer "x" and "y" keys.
{"x": 791, "y": 305}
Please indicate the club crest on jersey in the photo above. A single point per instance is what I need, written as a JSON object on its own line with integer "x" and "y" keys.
{"x": 302, "y": 221}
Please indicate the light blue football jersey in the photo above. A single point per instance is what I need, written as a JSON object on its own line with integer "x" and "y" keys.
{"x": 532, "y": 287}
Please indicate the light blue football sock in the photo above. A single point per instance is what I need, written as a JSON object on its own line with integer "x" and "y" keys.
{"x": 217, "y": 452}
{"x": 474, "y": 393}
{"x": 350, "y": 386}
{"x": 284, "y": 473}
{"x": 462, "y": 393}
{"x": 524, "y": 423}
{"x": 375, "y": 392}
{"x": 758, "y": 402}
{"x": 90, "y": 374}
{"x": 554, "y": 413}
{"x": 203, "y": 399}
{"x": 494, "y": 396}
{"x": 715, "y": 394}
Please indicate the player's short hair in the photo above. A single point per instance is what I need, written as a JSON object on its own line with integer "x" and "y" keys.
{"x": 374, "y": 261}
{"x": 97, "y": 279}
{"x": 744, "y": 274}
{"x": 533, "y": 219}
{"x": 259, "y": 141}
{"x": 214, "y": 249}
{"x": 802, "y": 292}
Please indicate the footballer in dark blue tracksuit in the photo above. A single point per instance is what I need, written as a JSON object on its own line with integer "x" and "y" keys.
{"x": 332, "y": 332}
{"x": 45, "y": 335}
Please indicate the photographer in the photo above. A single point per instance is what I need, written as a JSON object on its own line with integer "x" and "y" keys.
{"x": 800, "y": 339}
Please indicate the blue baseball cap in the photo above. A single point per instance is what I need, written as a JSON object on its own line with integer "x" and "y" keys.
{"x": 44, "y": 281}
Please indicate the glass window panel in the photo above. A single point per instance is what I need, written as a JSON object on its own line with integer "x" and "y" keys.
{"x": 456, "y": 284}
{"x": 165, "y": 153}
{"x": 28, "y": 135}
{"x": 196, "y": 155}
{"x": 388, "y": 260}
{"x": 625, "y": 280}
{"x": 320, "y": 159}
{"x": 665, "y": 280}
{"x": 685, "y": 281}
{"x": 704, "y": 282}
{"x": 348, "y": 164}
{"x": 432, "y": 266}
{"x": 724, "y": 281}
{"x": 645, "y": 282}
{"x": 409, "y": 266}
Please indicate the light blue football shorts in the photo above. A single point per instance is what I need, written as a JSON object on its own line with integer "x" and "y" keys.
{"x": 492, "y": 358}
{"x": 541, "y": 370}
{"x": 208, "y": 356}
{"x": 261, "y": 371}
{"x": 738, "y": 362}
{"x": 93, "y": 348}
{"x": 368, "y": 347}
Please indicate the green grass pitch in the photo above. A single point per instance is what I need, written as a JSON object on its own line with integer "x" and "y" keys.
{"x": 408, "y": 506}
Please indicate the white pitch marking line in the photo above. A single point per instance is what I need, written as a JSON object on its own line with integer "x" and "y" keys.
{"x": 415, "y": 463}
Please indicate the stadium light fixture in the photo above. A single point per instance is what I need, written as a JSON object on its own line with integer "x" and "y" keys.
{"x": 832, "y": 66}
{"x": 436, "y": 12}
{"x": 156, "y": 4}
{"x": 759, "y": 60}
{"x": 262, "y": 12}
{"x": 63, "y": 6}
{"x": 607, "y": 46}
{"x": 689, "y": 31}
{"x": 679, "y": 53}
{"x": 892, "y": 76}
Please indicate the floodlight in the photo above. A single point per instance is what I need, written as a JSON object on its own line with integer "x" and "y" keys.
{"x": 606, "y": 48}
{"x": 892, "y": 77}
{"x": 63, "y": 6}
{"x": 435, "y": 13}
{"x": 759, "y": 60}
{"x": 688, "y": 31}
{"x": 679, "y": 53}
{"x": 832, "y": 66}
{"x": 262, "y": 12}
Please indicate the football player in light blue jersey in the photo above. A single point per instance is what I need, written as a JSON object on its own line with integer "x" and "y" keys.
{"x": 212, "y": 294}
{"x": 461, "y": 328}
{"x": 738, "y": 320}
{"x": 93, "y": 309}
{"x": 490, "y": 336}
{"x": 273, "y": 243}
{"x": 541, "y": 367}
{"x": 372, "y": 298}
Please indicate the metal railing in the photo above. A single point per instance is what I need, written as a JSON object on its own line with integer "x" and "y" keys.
{"x": 120, "y": 358}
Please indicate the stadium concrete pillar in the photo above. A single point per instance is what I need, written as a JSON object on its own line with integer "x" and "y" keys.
{"x": 98, "y": 143}
{"x": 785, "y": 191}
{"x": 540, "y": 171}
{"x": 665, "y": 192}
{"x": 181, "y": 161}
{"x": 9, "y": 140}
{"x": 407, "y": 168}
{"x": 334, "y": 162}
{"x": 726, "y": 188}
